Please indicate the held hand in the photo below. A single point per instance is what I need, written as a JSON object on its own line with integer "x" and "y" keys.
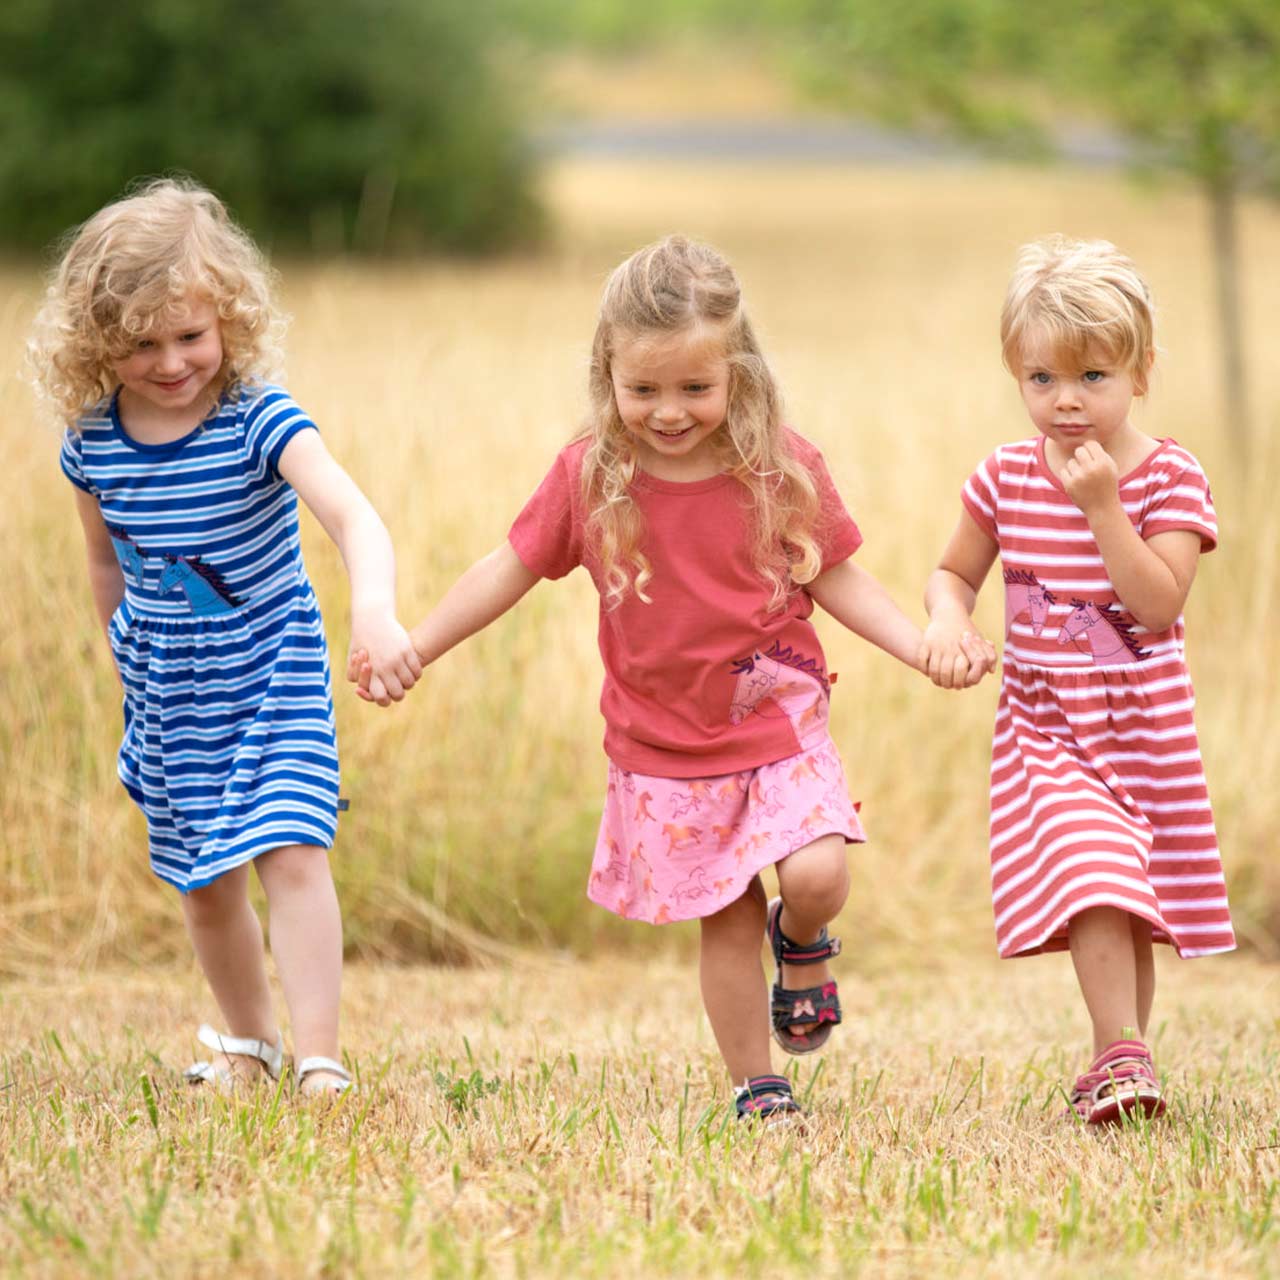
{"x": 382, "y": 662}
{"x": 954, "y": 655}
{"x": 1091, "y": 478}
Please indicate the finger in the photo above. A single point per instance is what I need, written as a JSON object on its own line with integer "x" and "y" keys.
{"x": 414, "y": 662}
{"x": 407, "y": 677}
{"x": 960, "y": 672}
{"x": 379, "y": 692}
{"x": 354, "y": 660}
{"x": 366, "y": 676}
{"x": 364, "y": 693}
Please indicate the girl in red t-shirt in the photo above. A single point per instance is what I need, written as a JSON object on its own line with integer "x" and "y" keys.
{"x": 709, "y": 530}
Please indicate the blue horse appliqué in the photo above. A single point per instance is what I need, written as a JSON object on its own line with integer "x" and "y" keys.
{"x": 128, "y": 553}
{"x": 202, "y": 584}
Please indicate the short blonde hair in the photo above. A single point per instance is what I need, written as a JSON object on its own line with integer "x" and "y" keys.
{"x": 681, "y": 288}
{"x": 130, "y": 269}
{"x": 1082, "y": 298}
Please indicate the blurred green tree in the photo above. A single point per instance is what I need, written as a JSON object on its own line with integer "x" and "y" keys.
{"x": 1195, "y": 84}
{"x": 365, "y": 125}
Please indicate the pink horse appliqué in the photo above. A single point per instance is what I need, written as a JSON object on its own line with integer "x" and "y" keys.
{"x": 1025, "y": 596}
{"x": 1097, "y": 630}
{"x": 779, "y": 682}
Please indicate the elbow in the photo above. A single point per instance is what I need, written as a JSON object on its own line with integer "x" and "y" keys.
{"x": 1158, "y": 618}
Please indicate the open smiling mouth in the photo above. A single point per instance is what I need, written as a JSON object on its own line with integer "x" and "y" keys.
{"x": 673, "y": 435}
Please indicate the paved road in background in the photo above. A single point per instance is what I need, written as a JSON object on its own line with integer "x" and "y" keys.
{"x": 799, "y": 140}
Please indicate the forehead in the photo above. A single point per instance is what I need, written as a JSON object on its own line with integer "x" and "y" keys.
{"x": 193, "y": 311}
{"x": 675, "y": 356}
{"x": 1039, "y": 351}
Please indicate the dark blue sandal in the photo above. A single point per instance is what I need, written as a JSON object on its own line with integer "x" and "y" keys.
{"x": 820, "y": 1005}
{"x": 766, "y": 1098}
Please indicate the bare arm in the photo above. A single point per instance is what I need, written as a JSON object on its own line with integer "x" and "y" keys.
{"x": 953, "y": 653}
{"x": 483, "y": 594}
{"x": 106, "y": 578}
{"x": 856, "y": 599}
{"x": 349, "y": 519}
{"x": 1151, "y": 577}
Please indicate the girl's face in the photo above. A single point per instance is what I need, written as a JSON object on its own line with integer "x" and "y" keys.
{"x": 171, "y": 370}
{"x": 672, "y": 394}
{"x": 1072, "y": 401}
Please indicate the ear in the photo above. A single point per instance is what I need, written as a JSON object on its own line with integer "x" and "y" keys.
{"x": 1142, "y": 375}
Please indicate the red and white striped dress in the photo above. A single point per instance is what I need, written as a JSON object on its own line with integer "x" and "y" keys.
{"x": 1098, "y": 796}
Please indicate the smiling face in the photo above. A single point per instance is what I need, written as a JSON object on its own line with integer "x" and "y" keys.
{"x": 1076, "y": 398}
{"x": 166, "y": 379}
{"x": 672, "y": 394}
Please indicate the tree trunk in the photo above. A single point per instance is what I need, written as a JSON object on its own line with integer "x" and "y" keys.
{"x": 1223, "y": 208}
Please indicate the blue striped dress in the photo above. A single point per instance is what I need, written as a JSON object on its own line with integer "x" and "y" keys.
{"x": 229, "y": 744}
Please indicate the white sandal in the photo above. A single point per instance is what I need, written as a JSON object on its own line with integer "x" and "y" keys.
{"x": 271, "y": 1057}
{"x": 343, "y": 1084}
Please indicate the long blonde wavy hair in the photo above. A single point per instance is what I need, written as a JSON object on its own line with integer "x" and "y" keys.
{"x": 672, "y": 288}
{"x": 129, "y": 270}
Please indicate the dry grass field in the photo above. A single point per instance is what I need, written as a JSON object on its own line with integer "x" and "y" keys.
{"x": 534, "y": 1113}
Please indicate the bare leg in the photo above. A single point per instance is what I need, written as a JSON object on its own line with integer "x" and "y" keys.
{"x": 733, "y": 985}
{"x": 1146, "y": 971}
{"x": 227, "y": 939}
{"x": 1104, "y": 954}
{"x": 814, "y": 884}
{"x": 306, "y": 943}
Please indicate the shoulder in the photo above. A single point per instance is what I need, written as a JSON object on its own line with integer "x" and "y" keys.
{"x": 1171, "y": 459}
{"x": 800, "y": 447}
{"x": 253, "y": 400}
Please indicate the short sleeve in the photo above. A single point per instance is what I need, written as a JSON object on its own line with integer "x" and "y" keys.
{"x": 837, "y": 533}
{"x": 981, "y": 494}
{"x": 547, "y": 534}
{"x": 271, "y": 420}
{"x": 72, "y": 460}
{"x": 1183, "y": 501}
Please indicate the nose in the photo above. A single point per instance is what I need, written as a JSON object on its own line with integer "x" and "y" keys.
{"x": 168, "y": 358}
{"x": 1068, "y": 393}
{"x": 668, "y": 411}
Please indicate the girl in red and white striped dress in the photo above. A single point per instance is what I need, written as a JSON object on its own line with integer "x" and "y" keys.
{"x": 1102, "y": 838}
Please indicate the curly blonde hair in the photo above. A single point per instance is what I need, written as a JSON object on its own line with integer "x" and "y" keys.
{"x": 679, "y": 287}
{"x": 131, "y": 269}
{"x": 1085, "y": 299}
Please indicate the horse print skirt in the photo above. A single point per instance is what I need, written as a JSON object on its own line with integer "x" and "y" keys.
{"x": 682, "y": 848}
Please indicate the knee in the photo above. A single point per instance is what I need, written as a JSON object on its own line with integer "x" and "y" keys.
{"x": 214, "y": 903}
{"x": 816, "y": 886}
{"x": 295, "y": 868}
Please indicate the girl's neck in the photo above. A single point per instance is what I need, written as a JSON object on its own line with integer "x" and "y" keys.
{"x": 149, "y": 424}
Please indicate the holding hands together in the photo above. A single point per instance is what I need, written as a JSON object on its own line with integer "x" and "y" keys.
{"x": 382, "y": 663}
{"x": 953, "y": 654}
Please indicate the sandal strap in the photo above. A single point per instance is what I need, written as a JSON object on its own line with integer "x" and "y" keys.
{"x": 785, "y": 951}
{"x": 805, "y": 1004}
{"x": 271, "y": 1056}
{"x": 317, "y": 1063}
{"x": 764, "y": 1096}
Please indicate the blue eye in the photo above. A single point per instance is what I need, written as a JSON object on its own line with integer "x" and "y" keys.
{"x": 1094, "y": 375}
{"x": 1041, "y": 379}
{"x": 193, "y": 336}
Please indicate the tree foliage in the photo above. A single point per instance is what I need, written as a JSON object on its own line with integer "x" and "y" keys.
{"x": 339, "y": 124}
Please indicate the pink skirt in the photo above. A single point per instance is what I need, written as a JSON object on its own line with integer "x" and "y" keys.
{"x": 681, "y": 848}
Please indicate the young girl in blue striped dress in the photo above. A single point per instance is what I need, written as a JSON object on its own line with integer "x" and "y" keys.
{"x": 154, "y": 343}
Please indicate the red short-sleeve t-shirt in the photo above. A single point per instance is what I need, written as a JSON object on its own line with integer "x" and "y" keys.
{"x": 704, "y": 680}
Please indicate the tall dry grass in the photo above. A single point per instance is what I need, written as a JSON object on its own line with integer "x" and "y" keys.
{"x": 446, "y": 389}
